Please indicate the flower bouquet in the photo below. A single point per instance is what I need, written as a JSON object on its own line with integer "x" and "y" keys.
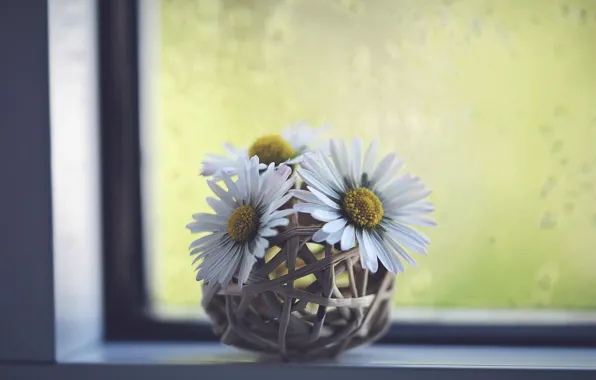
{"x": 300, "y": 257}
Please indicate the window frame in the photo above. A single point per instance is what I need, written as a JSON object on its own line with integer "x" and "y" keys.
{"x": 126, "y": 308}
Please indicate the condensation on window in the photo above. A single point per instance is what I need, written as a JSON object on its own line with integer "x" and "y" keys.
{"x": 492, "y": 103}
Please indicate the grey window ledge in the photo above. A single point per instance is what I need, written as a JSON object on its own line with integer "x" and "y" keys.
{"x": 192, "y": 361}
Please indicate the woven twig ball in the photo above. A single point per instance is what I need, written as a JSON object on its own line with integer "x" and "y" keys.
{"x": 306, "y": 301}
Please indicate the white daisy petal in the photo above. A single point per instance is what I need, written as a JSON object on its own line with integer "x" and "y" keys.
{"x": 394, "y": 197}
{"x": 277, "y": 222}
{"x": 336, "y": 156}
{"x": 219, "y": 260}
{"x": 254, "y": 177}
{"x": 198, "y": 227}
{"x": 277, "y": 185}
{"x": 331, "y": 180}
{"x": 286, "y": 185}
{"x": 356, "y": 155}
{"x": 199, "y": 256}
{"x": 305, "y": 196}
{"x": 326, "y": 216}
{"x": 283, "y": 172}
{"x": 370, "y": 157}
{"x": 410, "y": 198}
{"x": 206, "y": 240}
{"x": 335, "y": 225}
{"x": 384, "y": 178}
{"x": 336, "y": 179}
{"x": 343, "y": 149}
{"x": 418, "y": 208}
{"x": 231, "y": 185}
{"x": 398, "y": 186}
{"x": 401, "y": 251}
{"x": 348, "y": 238}
{"x": 362, "y": 249}
{"x": 372, "y": 252}
{"x": 248, "y": 261}
{"x": 222, "y": 194}
{"x": 382, "y": 168}
{"x": 323, "y": 198}
{"x": 295, "y": 160}
{"x": 319, "y": 236}
{"x": 387, "y": 258}
{"x": 311, "y": 207}
{"x": 216, "y": 241}
{"x": 261, "y": 246}
{"x": 281, "y": 213}
{"x": 214, "y": 264}
{"x": 311, "y": 180}
{"x": 334, "y": 237}
{"x": 267, "y": 232}
{"x": 416, "y": 220}
{"x": 204, "y": 253}
{"x": 280, "y": 202}
{"x": 227, "y": 251}
{"x": 416, "y": 235}
{"x": 204, "y": 217}
{"x": 315, "y": 165}
{"x": 264, "y": 187}
{"x": 412, "y": 239}
{"x": 228, "y": 272}
{"x": 236, "y": 152}
{"x": 219, "y": 207}
{"x": 216, "y": 165}
{"x": 301, "y": 136}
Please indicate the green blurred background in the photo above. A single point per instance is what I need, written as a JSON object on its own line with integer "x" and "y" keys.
{"x": 492, "y": 103}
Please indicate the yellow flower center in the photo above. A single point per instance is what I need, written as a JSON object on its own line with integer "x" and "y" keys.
{"x": 271, "y": 148}
{"x": 363, "y": 207}
{"x": 243, "y": 223}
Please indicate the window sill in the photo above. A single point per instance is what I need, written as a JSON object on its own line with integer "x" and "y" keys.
{"x": 373, "y": 356}
{"x": 187, "y": 361}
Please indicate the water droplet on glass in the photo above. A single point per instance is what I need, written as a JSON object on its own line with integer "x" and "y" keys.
{"x": 560, "y": 111}
{"x": 557, "y": 146}
{"x": 545, "y": 129}
{"x": 545, "y": 282}
{"x": 565, "y": 10}
{"x": 547, "y": 221}
{"x": 587, "y": 186}
{"x": 547, "y": 186}
{"x": 361, "y": 61}
{"x": 547, "y": 276}
{"x": 477, "y": 27}
{"x": 583, "y": 16}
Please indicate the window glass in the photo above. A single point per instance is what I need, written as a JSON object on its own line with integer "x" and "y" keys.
{"x": 492, "y": 103}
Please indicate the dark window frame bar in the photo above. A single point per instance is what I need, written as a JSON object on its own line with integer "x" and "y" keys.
{"x": 125, "y": 294}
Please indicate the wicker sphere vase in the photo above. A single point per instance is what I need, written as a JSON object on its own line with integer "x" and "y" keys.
{"x": 305, "y": 301}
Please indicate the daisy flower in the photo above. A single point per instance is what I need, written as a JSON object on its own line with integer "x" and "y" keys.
{"x": 245, "y": 218}
{"x": 364, "y": 203}
{"x": 287, "y": 148}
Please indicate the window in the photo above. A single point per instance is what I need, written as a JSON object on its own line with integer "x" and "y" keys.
{"x": 491, "y": 102}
